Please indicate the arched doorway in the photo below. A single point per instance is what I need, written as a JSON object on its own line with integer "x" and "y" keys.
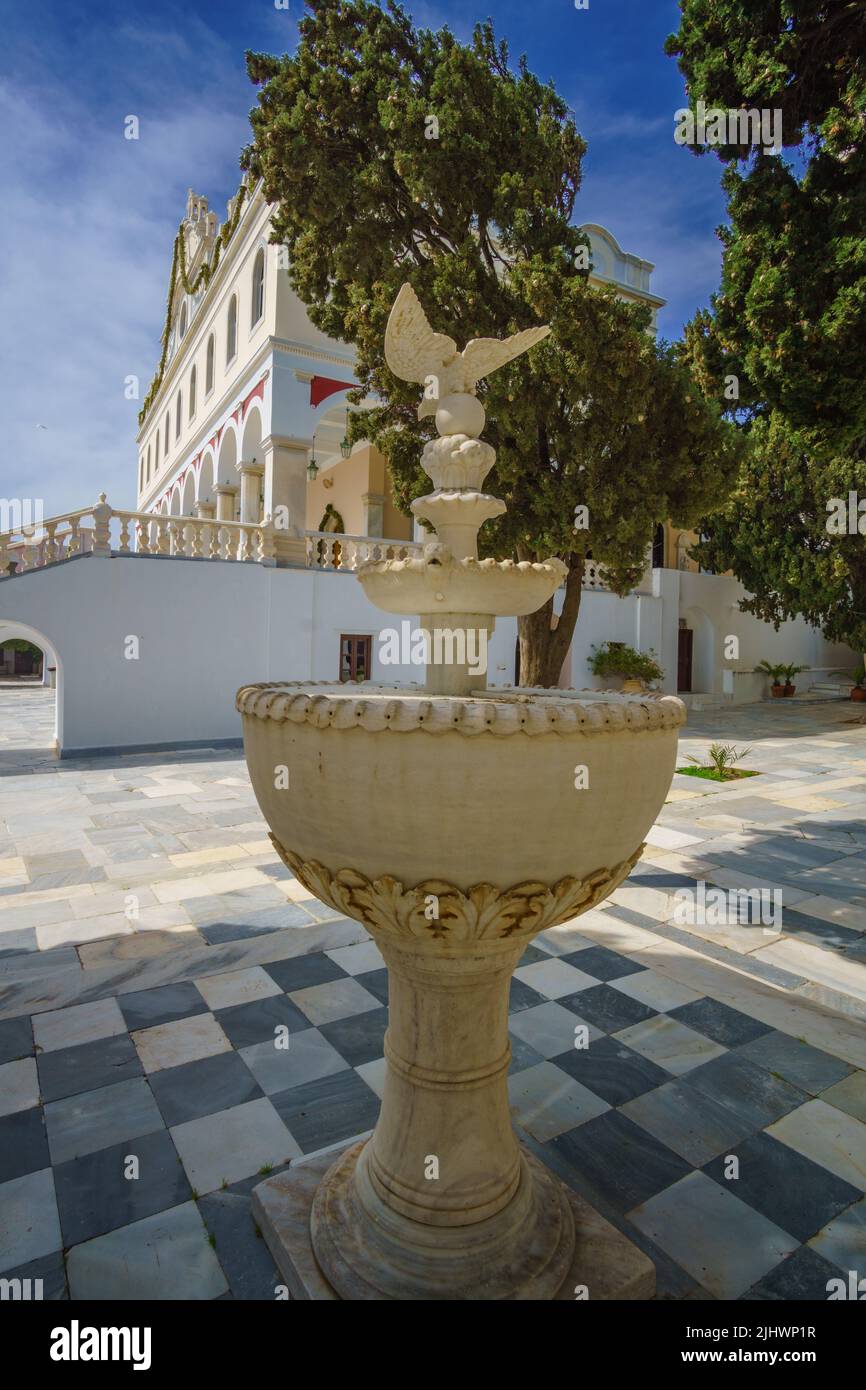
{"x": 31, "y": 701}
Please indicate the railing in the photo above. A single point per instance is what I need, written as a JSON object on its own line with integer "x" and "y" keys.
{"x": 106, "y": 530}
{"x": 593, "y": 576}
{"x": 115, "y": 531}
{"x": 330, "y": 550}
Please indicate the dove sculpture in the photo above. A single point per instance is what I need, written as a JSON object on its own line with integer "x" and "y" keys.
{"x": 414, "y": 352}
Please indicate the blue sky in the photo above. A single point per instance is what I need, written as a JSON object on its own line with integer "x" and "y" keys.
{"x": 90, "y": 217}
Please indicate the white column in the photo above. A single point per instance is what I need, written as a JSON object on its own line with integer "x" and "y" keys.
{"x": 285, "y": 469}
{"x": 374, "y": 513}
{"x": 225, "y": 505}
{"x": 250, "y": 476}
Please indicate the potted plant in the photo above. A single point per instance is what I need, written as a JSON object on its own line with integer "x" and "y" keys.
{"x": 777, "y": 685}
{"x": 789, "y": 672}
{"x": 635, "y": 668}
{"x": 858, "y": 675}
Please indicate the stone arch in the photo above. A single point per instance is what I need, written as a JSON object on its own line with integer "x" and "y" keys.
{"x": 174, "y": 503}
{"x": 251, "y": 447}
{"x": 10, "y": 629}
{"x": 188, "y": 494}
{"x": 206, "y": 478}
{"x": 228, "y": 457}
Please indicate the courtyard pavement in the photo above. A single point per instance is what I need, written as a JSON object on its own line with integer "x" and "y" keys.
{"x": 151, "y": 942}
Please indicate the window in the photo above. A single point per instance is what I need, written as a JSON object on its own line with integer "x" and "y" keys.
{"x": 167, "y": 427}
{"x": 659, "y": 547}
{"x": 141, "y": 473}
{"x": 208, "y": 373}
{"x": 178, "y": 409}
{"x": 258, "y": 305}
{"x": 355, "y": 658}
{"x": 192, "y": 393}
{"x": 232, "y": 329}
{"x": 147, "y": 466}
{"x": 156, "y": 455}
{"x": 182, "y": 319}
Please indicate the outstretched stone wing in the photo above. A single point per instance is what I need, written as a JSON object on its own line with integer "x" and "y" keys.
{"x": 482, "y": 356}
{"x": 412, "y": 350}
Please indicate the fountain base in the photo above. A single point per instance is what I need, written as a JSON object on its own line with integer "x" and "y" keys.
{"x": 311, "y": 1217}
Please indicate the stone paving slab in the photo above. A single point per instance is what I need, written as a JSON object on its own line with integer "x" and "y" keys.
{"x": 648, "y": 1053}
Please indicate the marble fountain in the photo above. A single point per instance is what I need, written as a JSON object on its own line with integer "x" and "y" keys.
{"x": 451, "y": 823}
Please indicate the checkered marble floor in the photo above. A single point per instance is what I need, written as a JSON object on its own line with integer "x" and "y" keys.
{"x": 134, "y": 1127}
{"x": 153, "y": 951}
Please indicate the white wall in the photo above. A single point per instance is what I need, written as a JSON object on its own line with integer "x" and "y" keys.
{"x": 204, "y": 628}
{"x": 710, "y": 605}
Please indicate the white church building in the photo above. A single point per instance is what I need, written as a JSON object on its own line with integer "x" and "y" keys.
{"x": 252, "y": 513}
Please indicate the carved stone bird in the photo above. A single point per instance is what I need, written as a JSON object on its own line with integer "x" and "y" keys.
{"x": 415, "y": 353}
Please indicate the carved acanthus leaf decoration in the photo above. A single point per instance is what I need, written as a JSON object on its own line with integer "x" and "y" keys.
{"x": 437, "y": 911}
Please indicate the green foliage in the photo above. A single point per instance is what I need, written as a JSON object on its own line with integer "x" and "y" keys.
{"x": 789, "y": 320}
{"x": 618, "y": 659}
{"x": 20, "y": 644}
{"x": 479, "y": 221}
{"x": 774, "y": 672}
{"x": 722, "y": 757}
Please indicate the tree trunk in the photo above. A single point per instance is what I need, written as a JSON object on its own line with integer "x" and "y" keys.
{"x": 543, "y": 646}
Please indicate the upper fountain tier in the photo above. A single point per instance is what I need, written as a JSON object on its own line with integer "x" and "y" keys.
{"x": 449, "y": 581}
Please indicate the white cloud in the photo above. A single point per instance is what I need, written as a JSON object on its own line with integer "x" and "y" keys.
{"x": 89, "y": 222}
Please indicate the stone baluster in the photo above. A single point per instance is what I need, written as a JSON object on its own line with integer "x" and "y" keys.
{"x": 123, "y": 544}
{"x": 142, "y": 536}
{"x": 175, "y": 532}
{"x": 162, "y": 538}
{"x": 73, "y": 543}
{"x": 207, "y": 532}
{"x": 267, "y": 542}
{"x": 102, "y": 514}
{"x": 51, "y": 547}
{"x": 196, "y": 535}
{"x": 246, "y": 544}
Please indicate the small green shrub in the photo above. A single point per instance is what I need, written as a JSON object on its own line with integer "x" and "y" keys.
{"x": 617, "y": 659}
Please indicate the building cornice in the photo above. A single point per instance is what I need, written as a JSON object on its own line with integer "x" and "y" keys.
{"x": 315, "y": 353}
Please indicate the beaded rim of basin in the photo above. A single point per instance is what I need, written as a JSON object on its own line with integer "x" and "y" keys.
{"x": 326, "y": 704}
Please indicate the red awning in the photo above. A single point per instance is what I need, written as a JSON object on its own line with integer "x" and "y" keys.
{"x": 321, "y": 387}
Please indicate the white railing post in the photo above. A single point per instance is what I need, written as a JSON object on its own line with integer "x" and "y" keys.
{"x": 101, "y": 514}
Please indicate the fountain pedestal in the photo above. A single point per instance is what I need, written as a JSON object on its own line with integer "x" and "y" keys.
{"x": 455, "y": 825}
{"x": 443, "y": 1202}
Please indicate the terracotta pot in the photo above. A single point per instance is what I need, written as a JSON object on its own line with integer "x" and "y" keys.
{"x": 777, "y": 691}
{"x": 858, "y": 693}
{"x": 789, "y": 690}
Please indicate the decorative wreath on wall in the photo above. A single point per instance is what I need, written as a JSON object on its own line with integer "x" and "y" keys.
{"x": 331, "y": 520}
